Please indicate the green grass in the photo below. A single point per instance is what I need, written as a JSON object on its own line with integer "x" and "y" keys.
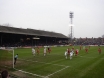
{"x": 54, "y": 65}
{"x": 6, "y": 58}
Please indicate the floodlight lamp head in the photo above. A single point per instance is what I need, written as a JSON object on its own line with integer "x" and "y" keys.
{"x": 71, "y": 14}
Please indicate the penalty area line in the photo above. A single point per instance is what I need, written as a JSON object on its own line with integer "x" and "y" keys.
{"x": 57, "y": 71}
{"x": 64, "y": 67}
{"x": 30, "y": 73}
{"x": 87, "y": 57}
{"x": 45, "y": 62}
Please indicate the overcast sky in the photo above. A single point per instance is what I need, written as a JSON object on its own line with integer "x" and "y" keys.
{"x": 53, "y": 15}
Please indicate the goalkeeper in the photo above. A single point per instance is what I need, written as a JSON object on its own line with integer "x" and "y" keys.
{"x": 15, "y": 58}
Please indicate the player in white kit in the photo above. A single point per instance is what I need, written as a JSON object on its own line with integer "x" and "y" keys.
{"x": 45, "y": 51}
{"x": 66, "y": 54}
{"x": 33, "y": 51}
{"x": 71, "y": 54}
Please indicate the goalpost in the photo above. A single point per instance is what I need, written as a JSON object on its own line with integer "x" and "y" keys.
{"x": 7, "y": 58}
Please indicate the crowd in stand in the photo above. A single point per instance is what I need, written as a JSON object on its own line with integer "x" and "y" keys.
{"x": 75, "y": 41}
{"x": 89, "y": 41}
{"x": 26, "y": 44}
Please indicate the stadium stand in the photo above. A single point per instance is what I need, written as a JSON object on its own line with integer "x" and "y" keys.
{"x": 10, "y": 36}
{"x": 27, "y": 31}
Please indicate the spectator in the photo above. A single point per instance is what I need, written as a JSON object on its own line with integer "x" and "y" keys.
{"x": 4, "y": 74}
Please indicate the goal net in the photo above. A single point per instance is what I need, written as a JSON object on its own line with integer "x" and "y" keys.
{"x": 6, "y": 58}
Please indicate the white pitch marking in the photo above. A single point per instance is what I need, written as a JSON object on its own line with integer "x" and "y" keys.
{"x": 44, "y": 62}
{"x": 87, "y": 57}
{"x": 90, "y": 57}
{"x": 30, "y": 73}
{"x": 57, "y": 71}
{"x": 47, "y": 63}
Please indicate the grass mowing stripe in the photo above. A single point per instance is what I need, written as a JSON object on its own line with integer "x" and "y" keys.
{"x": 44, "y": 62}
{"x": 94, "y": 73}
{"x": 87, "y": 69}
{"x": 81, "y": 65}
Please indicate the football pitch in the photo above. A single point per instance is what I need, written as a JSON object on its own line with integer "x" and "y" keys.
{"x": 54, "y": 65}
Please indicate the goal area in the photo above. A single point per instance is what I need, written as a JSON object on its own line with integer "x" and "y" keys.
{"x": 6, "y": 58}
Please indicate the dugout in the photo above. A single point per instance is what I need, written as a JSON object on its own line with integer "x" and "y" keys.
{"x": 14, "y": 37}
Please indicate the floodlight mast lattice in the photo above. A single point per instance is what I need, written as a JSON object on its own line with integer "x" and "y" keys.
{"x": 71, "y": 16}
